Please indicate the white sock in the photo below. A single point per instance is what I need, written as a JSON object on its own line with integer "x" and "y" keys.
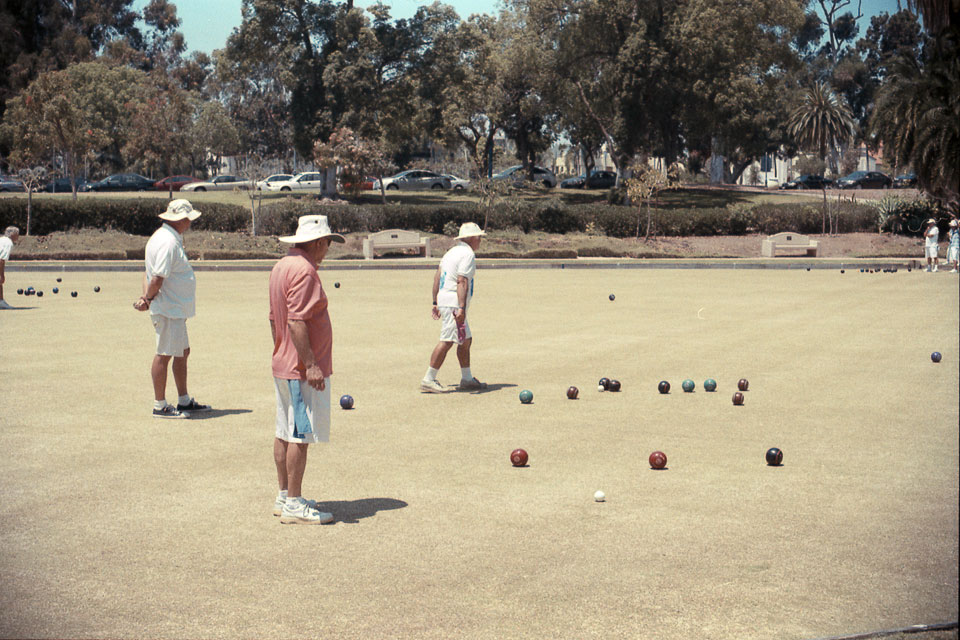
{"x": 159, "y": 404}
{"x": 282, "y": 494}
{"x": 183, "y": 400}
{"x": 431, "y": 374}
{"x": 465, "y": 373}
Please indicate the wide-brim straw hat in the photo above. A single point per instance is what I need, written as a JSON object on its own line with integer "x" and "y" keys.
{"x": 178, "y": 210}
{"x": 931, "y": 221}
{"x": 311, "y": 228}
{"x": 470, "y": 230}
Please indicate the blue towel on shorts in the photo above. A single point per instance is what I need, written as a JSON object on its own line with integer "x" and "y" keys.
{"x": 301, "y": 421}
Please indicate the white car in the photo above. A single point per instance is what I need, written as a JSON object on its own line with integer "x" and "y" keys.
{"x": 301, "y": 181}
{"x": 220, "y": 183}
{"x": 277, "y": 177}
{"x": 457, "y": 184}
{"x": 516, "y": 175}
{"x": 414, "y": 180}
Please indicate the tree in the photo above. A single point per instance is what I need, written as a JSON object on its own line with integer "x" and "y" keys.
{"x": 918, "y": 117}
{"x": 354, "y": 158}
{"x": 822, "y": 122}
{"x": 160, "y": 127}
{"x": 645, "y": 184}
{"x": 74, "y": 114}
{"x": 212, "y": 132}
{"x": 32, "y": 178}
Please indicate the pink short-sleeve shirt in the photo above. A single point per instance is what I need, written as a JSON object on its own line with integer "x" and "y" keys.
{"x": 296, "y": 294}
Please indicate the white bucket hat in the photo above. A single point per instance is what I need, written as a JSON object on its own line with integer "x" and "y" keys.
{"x": 310, "y": 228}
{"x": 178, "y": 210}
{"x": 470, "y": 230}
{"x": 931, "y": 221}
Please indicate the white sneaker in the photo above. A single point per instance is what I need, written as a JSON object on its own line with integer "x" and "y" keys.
{"x": 936, "y": 268}
{"x": 5, "y": 305}
{"x": 299, "y": 512}
{"x": 279, "y": 502}
{"x": 431, "y": 386}
{"x": 927, "y": 269}
{"x": 953, "y": 270}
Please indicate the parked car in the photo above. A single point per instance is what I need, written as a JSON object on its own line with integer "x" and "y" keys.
{"x": 457, "y": 184}
{"x": 516, "y": 175}
{"x": 62, "y": 185}
{"x": 414, "y": 180}
{"x": 598, "y": 180}
{"x": 10, "y": 184}
{"x": 121, "y": 182}
{"x": 365, "y": 184}
{"x": 277, "y": 177}
{"x": 220, "y": 183}
{"x": 906, "y": 181}
{"x": 174, "y": 183}
{"x": 307, "y": 180}
{"x": 808, "y": 182}
{"x": 865, "y": 180}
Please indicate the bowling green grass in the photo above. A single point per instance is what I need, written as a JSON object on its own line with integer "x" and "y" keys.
{"x": 114, "y": 524}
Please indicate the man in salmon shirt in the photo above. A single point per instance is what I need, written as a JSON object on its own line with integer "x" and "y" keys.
{"x": 302, "y": 364}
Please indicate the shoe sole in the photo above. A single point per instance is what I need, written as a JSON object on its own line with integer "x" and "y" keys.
{"x": 424, "y": 389}
{"x": 296, "y": 520}
{"x": 182, "y": 416}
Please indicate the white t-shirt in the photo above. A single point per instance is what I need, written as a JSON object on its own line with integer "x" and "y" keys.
{"x": 6, "y": 245}
{"x": 458, "y": 261}
{"x": 166, "y": 258}
{"x": 933, "y": 235}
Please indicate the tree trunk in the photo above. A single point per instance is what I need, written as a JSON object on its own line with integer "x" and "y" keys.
{"x": 647, "y": 236}
{"x": 29, "y": 208}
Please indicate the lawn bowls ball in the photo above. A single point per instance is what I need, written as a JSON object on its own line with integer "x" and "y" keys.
{"x": 518, "y": 458}
{"x": 19, "y": 292}
{"x": 572, "y": 393}
{"x": 56, "y": 290}
{"x": 336, "y": 285}
{"x": 73, "y": 294}
{"x": 743, "y": 384}
{"x": 842, "y": 271}
{"x": 688, "y": 385}
{"x": 29, "y": 291}
{"x": 658, "y": 460}
{"x": 774, "y": 457}
{"x": 738, "y": 399}
{"x": 39, "y": 294}
{"x": 709, "y": 384}
{"x": 59, "y": 279}
{"x": 612, "y": 297}
{"x": 663, "y": 387}
{"x": 604, "y": 382}
{"x": 96, "y": 289}
{"x": 526, "y": 396}
{"x": 599, "y": 496}
{"x": 346, "y": 402}
{"x": 935, "y": 356}
{"x": 614, "y": 386}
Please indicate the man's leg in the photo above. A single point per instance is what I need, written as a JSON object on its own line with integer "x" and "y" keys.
{"x": 463, "y": 353}
{"x": 280, "y": 459}
{"x": 158, "y": 371}
{"x": 180, "y": 372}
{"x": 296, "y": 462}
{"x": 440, "y": 353}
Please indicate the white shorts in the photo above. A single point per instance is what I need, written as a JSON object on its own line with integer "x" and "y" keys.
{"x": 302, "y": 417}
{"x": 930, "y": 252}
{"x": 171, "y": 335}
{"x": 953, "y": 253}
{"x": 448, "y": 326}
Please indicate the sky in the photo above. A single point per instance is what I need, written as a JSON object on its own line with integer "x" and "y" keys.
{"x": 206, "y": 24}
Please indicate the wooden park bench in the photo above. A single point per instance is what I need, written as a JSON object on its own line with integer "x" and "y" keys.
{"x": 395, "y": 239}
{"x": 791, "y": 241}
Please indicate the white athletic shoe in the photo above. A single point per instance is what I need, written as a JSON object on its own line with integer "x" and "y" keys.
{"x": 431, "y": 386}
{"x": 279, "y": 502}
{"x": 299, "y": 512}
{"x": 928, "y": 269}
{"x": 936, "y": 268}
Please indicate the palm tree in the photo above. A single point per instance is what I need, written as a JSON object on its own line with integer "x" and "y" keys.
{"x": 917, "y": 117}
{"x": 821, "y": 122}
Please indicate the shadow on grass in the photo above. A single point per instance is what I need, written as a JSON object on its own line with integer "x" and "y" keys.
{"x": 217, "y": 413}
{"x": 352, "y": 511}
{"x": 13, "y": 308}
{"x": 493, "y": 386}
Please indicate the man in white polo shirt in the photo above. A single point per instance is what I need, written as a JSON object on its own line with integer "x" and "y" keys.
{"x": 170, "y": 294}
{"x": 452, "y": 292}
{"x": 7, "y": 240}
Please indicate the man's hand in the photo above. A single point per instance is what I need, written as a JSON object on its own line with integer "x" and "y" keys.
{"x": 460, "y": 315}
{"x": 315, "y": 377}
{"x": 435, "y": 312}
{"x": 142, "y": 304}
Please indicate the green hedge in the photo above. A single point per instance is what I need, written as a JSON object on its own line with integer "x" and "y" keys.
{"x": 139, "y": 217}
